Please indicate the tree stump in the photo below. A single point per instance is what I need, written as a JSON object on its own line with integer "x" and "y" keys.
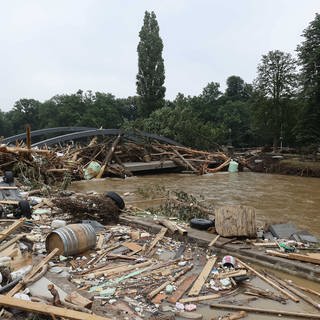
{"x": 236, "y": 221}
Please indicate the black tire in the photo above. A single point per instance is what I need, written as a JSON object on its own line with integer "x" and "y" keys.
{"x": 24, "y": 209}
{"x": 116, "y": 198}
{"x": 8, "y": 177}
{"x": 201, "y": 224}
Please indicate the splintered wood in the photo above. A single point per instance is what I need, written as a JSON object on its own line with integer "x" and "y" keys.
{"x": 159, "y": 237}
{"x": 196, "y": 288}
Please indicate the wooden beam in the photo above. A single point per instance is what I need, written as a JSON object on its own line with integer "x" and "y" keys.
{"x": 265, "y": 310}
{"x": 14, "y": 202}
{"x": 42, "y": 308}
{"x": 186, "y": 162}
{"x": 271, "y": 283}
{"x": 10, "y": 242}
{"x": 13, "y": 227}
{"x": 184, "y": 286}
{"x": 109, "y": 156}
{"x": 196, "y": 288}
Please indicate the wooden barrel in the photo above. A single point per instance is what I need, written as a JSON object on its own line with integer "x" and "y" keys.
{"x": 71, "y": 239}
{"x": 236, "y": 221}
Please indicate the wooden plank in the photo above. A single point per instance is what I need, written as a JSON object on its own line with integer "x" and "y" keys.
{"x": 10, "y": 242}
{"x": 196, "y": 288}
{"x": 100, "y": 242}
{"x": 14, "y": 202}
{"x": 295, "y": 256}
{"x": 265, "y": 310}
{"x": 42, "y": 308}
{"x": 77, "y": 299}
{"x": 214, "y": 241}
{"x": 265, "y": 244}
{"x": 271, "y": 283}
{"x": 201, "y": 298}
{"x": 132, "y": 246}
{"x": 8, "y": 188}
{"x": 13, "y": 227}
{"x": 184, "y": 286}
{"x": 158, "y": 237}
{"x": 32, "y": 273}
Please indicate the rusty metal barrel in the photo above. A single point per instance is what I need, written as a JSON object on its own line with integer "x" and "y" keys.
{"x": 72, "y": 239}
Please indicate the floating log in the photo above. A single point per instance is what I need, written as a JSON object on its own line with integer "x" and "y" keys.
{"x": 311, "y": 257}
{"x": 235, "y": 221}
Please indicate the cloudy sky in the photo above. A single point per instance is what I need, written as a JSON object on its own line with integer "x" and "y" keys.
{"x": 56, "y": 47}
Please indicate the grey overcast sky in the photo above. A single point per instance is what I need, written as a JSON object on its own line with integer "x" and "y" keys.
{"x": 60, "y": 46}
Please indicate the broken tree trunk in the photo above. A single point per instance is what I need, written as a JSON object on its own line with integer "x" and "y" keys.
{"x": 235, "y": 221}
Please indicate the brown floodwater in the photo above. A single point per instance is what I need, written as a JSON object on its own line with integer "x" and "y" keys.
{"x": 276, "y": 198}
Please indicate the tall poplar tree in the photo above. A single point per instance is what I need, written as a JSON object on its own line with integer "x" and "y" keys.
{"x": 151, "y": 75}
{"x": 309, "y": 58}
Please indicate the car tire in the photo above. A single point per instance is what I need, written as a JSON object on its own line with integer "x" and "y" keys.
{"x": 116, "y": 198}
{"x": 24, "y": 209}
{"x": 8, "y": 177}
{"x": 201, "y": 224}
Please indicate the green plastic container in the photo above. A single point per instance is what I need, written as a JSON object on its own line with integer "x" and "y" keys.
{"x": 233, "y": 166}
{"x": 92, "y": 170}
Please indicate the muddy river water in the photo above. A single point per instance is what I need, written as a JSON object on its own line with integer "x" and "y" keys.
{"x": 276, "y": 198}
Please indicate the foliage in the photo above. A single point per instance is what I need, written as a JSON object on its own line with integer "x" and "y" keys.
{"x": 275, "y": 85}
{"x": 151, "y": 74}
{"x": 307, "y": 129}
{"x": 183, "y": 206}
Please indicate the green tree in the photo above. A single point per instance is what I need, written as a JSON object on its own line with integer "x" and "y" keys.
{"x": 151, "y": 75}
{"x": 275, "y": 85}
{"x": 237, "y": 89}
{"x": 307, "y": 129}
{"x": 25, "y": 111}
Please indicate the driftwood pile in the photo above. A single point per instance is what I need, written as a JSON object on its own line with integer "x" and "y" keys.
{"x": 80, "y": 207}
{"x": 63, "y": 164}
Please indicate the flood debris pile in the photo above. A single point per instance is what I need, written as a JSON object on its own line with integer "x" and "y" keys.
{"x": 129, "y": 273}
{"x": 76, "y": 207}
{"x": 114, "y": 157}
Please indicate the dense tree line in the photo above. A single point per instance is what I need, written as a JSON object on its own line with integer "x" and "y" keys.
{"x": 280, "y": 108}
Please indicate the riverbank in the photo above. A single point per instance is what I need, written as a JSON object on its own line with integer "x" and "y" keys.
{"x": 286, "y": 164}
